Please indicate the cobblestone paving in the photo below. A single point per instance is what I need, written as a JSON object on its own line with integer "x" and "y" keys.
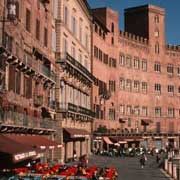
{"x": 129, "y": 168}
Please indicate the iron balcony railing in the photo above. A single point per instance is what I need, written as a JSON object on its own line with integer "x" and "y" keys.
{"x": 65, "y": 107}
{"x": 67, "y": 57}
{"x": 19, "y": 119}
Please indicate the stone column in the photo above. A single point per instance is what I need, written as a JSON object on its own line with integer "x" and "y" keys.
{"x": 166, "y": 164}
{"x": 170, "y": 167}
{"x": 174, "y": 171}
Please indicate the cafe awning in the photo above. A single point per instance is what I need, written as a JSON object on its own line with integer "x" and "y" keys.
{"x": 34, "y": 141}
{"x": 13, "y": 152}
{"x": 107, "y": 140}
{"x": 71, "y": 133}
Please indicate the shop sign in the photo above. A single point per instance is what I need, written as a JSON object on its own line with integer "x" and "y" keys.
{"x": 21, "y": 156}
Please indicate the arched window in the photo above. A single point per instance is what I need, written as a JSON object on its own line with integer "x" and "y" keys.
{"x": 112, "y": 27}
{"x": 157, "y": 48}
{"x": 156, "y": 19}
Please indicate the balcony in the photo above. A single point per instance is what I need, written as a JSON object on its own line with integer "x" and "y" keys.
{"x": 69, "y": 107}
{"x": 25, "y": 122}
{"x": 65, "y": 107}
{"x": 66, "y": 58}
{"x": 38, "y": 100}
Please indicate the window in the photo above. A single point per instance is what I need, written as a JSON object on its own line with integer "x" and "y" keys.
{"x": 144, "y": 111}
{"x": 128, "y": 109}
{"x": 100, "y": 55}
{"x": 112, "y": 27}
{"x": 112, "y": 41}
{"x": 73, "y": 25}
{"x": 170, "y": 69}
{"x": 156, "y": 33}
{"x": 27, "y": 87}
{"x": 129, "y": 122}
{"x": 96, "y": 52}
{"x": 170, "y": 89}
{"x": 178, "y": 71}
{"x": 105, "y": 59}
{"x": 144, "y": 87}
{"x": 157, "y": 88}
{"x": 157, "y": 48}
{"x": 157, "y": 111}
{"x": 156, "y": 19}
{"x": 14, "y": 80}
{"x": 113, "y": 62}
{"x": 37, "y": 29}
{"x": 122, "y": 109}
{"x": 65, "y": 15}
{"x": 28, "y": 20}
{"x": 17, "y": 9}
{"x": 65, "y": 45}
{"x": 136, "y": 86}
{"x": 73, "y": 52}
{"x": 80, "y": 58}
{"x": 136, "y": 63}
{"x": 179, "y": 90}
{"x": 122, "y": 84}
{"x": 87, "y": 42}
{"x": 136, "y": 110}
{"x": 171, "y": 112}
{"x": 128, "y": 61}
{"x": 112, "y": 114}
{"x": 128, "y": 85}
{"x": 80, "y": 30}
{"x": 144, "y": 65}
{"x": 157, "y": 67}
{"x": 45, "y": 37}
{"x": 112, "y": 86}
{"x": 121, "y": 59}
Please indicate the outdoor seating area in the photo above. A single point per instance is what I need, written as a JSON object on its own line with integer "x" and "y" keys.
{"x": 43, "y": 171}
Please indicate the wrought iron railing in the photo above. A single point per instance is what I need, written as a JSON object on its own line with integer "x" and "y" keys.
{"x": 20, "y": 119}
{"x": 65, "y": 107}
{"x": 67, "y": 57}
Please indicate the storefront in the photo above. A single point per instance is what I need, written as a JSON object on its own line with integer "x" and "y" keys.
{"x": 76, "y": 141}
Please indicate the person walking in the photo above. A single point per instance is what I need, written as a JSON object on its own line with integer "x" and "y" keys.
{"x": 158, "y": 158}
{"x": 142, "y": 160}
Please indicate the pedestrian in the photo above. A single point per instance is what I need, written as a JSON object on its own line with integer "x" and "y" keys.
{"x": 94, "y": 176}
{"x": 158, "y": 158}
{"x": 142, "y": 160}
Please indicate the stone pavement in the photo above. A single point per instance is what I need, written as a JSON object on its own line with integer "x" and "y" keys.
{"x": 129, "y": 167}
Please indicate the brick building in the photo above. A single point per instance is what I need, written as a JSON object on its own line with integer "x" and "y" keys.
{"x": 73, "y": 58}
{"x": 27, "y": 69}
{"x": 136, "y": 93}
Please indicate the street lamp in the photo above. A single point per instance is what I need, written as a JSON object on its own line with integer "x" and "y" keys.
{"x": 11, "y": 15}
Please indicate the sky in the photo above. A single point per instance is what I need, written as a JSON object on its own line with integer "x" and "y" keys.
{"x": 172, "y": 8}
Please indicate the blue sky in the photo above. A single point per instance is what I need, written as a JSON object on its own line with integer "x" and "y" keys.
{"x": 172, "y": 8}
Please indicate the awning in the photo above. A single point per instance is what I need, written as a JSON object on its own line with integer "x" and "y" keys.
{"x": 107, "y": 140}
{"x": 35, "y": 141}
{"x": 122, "y": 142}
{"x": 75, "y": 133}
{"x": 146, "y": 122}
{"x": 12, "y": 151}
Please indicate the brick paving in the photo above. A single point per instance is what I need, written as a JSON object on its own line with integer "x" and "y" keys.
{"x": 129, "y": 168}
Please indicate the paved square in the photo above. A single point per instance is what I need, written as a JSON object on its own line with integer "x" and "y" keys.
{"x": 129, "y": 167}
